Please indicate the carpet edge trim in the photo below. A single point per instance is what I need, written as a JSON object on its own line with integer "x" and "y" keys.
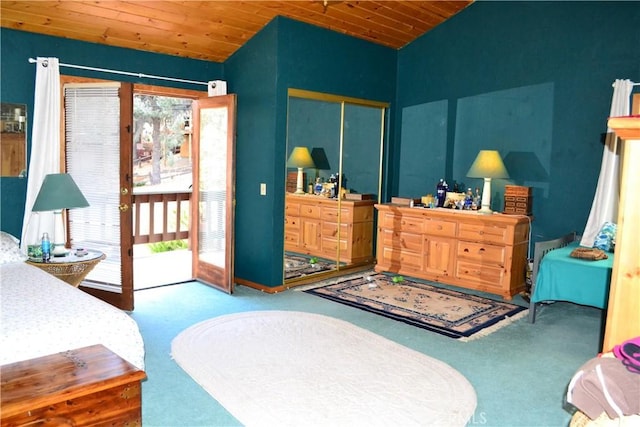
{"x": 496, "y": 326}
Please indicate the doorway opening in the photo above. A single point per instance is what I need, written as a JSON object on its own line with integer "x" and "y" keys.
{"x": 162, "y": 183}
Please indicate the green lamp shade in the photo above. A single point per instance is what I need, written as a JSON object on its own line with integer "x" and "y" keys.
{"x": 59, "y": 191}
{"x": 300, "y": 158}
{"x": 488, "y": 164}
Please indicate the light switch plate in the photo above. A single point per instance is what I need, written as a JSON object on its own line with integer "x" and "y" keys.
{"x": 263, "y": 189}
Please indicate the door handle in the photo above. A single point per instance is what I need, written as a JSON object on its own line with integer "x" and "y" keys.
{"x": 124, "y": 191}
{"x": 123, "y": 207}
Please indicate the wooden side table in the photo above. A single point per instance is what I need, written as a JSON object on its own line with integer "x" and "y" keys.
{"x": 71, "y": 268}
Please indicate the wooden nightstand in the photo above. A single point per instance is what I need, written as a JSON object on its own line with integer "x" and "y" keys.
{"x": 71, "y": 268}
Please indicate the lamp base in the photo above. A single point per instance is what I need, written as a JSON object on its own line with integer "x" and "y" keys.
{"x": 485, "y": 211}
{"x": 300, "y": 182}
{"x": 485, "y": 204}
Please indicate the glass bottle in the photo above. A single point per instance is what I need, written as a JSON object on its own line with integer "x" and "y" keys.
{"x": 440, "y": 193}
{"x": 317, "y": 190}
{"x": 468, "y": 200}
{"x": 46, "y": 248}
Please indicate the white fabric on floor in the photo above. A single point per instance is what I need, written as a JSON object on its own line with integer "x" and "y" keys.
{"x": 286, "y": 368}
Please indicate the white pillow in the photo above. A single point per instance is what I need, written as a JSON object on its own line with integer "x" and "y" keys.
{"x": 10, "y": 249}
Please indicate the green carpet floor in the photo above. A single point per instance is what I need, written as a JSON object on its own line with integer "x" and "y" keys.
{"x": 520, "y": 372}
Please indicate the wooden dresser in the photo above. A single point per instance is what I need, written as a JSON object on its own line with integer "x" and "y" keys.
{"x": 87, "y": 386}
{"x": 317, "y": 226}
{"x": 461, "y": 248}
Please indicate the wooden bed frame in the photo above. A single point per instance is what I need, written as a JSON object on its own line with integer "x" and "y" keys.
{"x": 539, "y": 251}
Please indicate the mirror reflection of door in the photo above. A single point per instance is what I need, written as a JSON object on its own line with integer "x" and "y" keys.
{"x": 13, "y": 139}
{"x": 329, "y": 230}
{"x": 214, "y": 191}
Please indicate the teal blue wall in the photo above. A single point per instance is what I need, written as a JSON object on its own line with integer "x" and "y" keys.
{"x": 287, "y": 54}
{"x": 530, "y": 79}
{"x": 252, "y": 75}
{"x": 17, "y": 85}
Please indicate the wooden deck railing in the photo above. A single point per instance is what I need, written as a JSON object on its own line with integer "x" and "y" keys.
{"x": 161, "y": 217}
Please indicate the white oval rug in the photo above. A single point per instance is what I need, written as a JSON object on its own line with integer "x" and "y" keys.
{"x": 288, "y": 368}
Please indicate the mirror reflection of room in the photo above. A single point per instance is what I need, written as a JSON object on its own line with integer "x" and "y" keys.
{"x": 13, "y": 139}
{"x": 332, "y": 182}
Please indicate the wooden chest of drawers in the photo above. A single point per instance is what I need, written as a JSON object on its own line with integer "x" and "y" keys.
{"x": 320, "y": 227}
{"x": 87, "y": 386}
{"x": 461, "y": 248}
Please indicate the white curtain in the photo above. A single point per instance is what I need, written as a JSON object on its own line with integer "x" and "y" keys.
{"x": 45, "y": 147}
{"x": 605, "y": 203}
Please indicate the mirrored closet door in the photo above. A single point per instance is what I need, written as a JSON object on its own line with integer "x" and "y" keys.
{"x": 333, "y": 173}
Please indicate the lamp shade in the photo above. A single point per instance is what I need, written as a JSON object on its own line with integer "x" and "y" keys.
{"x": 300, "y": 158}
{"x": 488, "y": 164}
{"x": 59, "y": 191}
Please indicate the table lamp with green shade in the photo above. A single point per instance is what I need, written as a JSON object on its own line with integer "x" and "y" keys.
{"x": 488, "y": 164}
{"x": 300, "y": 158}
{"x": 59, "y": 191}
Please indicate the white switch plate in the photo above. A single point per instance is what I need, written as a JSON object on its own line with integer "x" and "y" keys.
{"x": 263, "y": 189}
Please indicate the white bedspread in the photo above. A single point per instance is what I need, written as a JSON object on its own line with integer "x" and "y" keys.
{"x": 42, "y": 315}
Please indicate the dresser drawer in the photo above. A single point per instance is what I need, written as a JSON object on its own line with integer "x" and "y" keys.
{"x": 404, "y": 241}
{"x": 291, "y": 239}
{"x": 310, "y": 211}
{"x": 331, "y": 214}
{"x": 483, "y": 232}
{"x": 292, "y": 209}
{"x": 330, "y": 229}
{"x": 482, "y": 252}
{"x": 404, "y": 223}
{"x": 479, "y": 273}
{"x": 440, "y": 228}
{"x": 291, "y": 223}
{"x": 330, "y": 247}
{"x": 406, "y": 260}
{"x": 291, "y": 232}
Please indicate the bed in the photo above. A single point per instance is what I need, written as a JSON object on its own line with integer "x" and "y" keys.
{"x": 556, "y": 276}
{"x": 41, "y": 315}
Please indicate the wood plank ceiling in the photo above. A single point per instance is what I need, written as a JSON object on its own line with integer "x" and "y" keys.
{"x": 214, "y": 30}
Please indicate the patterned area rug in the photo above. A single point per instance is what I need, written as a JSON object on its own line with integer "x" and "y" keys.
{"x": 298, "y": 265}
{"x": 445, "y": 311}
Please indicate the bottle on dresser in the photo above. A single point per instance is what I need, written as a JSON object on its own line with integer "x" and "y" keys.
{"x": 441, "y": 192}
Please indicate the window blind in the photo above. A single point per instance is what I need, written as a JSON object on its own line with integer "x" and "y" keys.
{"x": 92, "y": 148}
